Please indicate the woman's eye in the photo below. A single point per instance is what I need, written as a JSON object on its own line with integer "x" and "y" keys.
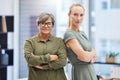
{"x": 75, "y": 14}
{"x": 81, "y": 14}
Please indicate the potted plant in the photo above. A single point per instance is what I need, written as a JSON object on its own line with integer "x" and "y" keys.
{"x": 111, "y": 57}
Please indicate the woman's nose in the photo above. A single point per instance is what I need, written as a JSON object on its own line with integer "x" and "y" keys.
{"x": 79, "y": 17}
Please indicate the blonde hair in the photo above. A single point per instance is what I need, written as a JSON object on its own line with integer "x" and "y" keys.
{"x": 74, "y": 4}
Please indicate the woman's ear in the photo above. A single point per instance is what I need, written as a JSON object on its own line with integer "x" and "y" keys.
{"x": 68, "y": 14}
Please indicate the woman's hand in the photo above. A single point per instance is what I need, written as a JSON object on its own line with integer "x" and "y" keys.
{"x": 53, "y": 57}
{"x": 39, "y": 67}
{"x": 94, "y": 59}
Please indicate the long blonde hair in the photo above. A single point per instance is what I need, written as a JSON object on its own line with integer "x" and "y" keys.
{"x": 74, "y": 4}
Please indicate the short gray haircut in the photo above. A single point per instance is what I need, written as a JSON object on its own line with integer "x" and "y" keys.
{"x": 43, "y": 17}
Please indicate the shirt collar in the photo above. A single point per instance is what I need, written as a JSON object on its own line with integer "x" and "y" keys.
{"x": 40, "y": 40}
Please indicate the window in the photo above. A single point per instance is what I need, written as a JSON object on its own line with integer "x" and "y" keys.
{"x": 104, "y": 5}
{"x": 115, "y": 4}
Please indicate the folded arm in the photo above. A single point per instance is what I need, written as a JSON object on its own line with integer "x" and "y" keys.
{"x": 58, "y": 62}
{"x": 78, "y": 50}
{"x": 34, "y": 60}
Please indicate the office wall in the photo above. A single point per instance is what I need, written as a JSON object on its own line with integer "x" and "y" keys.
{"x": 6, "y": 7}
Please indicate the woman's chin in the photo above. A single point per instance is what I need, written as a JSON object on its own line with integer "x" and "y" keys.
{"x": 46, "y": 33}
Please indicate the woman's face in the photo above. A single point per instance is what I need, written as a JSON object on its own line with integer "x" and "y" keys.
{"x": 46, "y": 27}
{"x": 76, "y": 16}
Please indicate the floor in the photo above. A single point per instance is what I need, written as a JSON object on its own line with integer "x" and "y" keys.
{"x": 23, "y": 79}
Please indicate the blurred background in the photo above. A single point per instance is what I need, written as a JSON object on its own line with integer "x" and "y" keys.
{"x": 18, "y": 22}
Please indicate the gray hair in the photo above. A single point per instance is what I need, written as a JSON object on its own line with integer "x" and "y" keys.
{"x": 43, "y": 17}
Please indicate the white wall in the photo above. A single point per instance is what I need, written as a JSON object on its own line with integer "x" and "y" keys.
{"x": 6, "y": 7}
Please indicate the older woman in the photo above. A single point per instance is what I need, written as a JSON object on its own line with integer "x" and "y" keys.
{"x": 44, "y": 53}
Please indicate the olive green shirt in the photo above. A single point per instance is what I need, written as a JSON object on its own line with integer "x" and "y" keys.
{"x": 37, "y": 52}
